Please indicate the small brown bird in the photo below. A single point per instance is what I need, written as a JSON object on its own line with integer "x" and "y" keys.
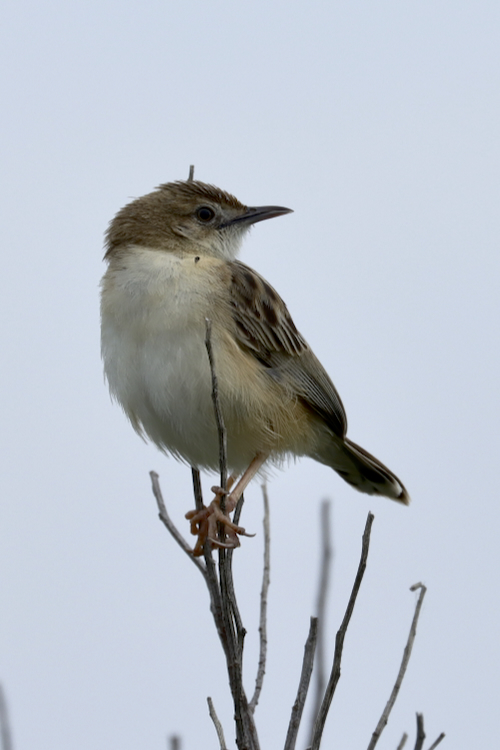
{"x": 171, "y": 265}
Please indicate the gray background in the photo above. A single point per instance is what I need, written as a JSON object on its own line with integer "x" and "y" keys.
{"x": 378, "y": 123}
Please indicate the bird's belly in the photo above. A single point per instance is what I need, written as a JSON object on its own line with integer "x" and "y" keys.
{"x": 169, "y": 396}
{"x": 156, "y": 364}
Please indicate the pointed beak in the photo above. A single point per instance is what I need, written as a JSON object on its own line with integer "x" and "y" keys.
{"x": 259, "y": 213}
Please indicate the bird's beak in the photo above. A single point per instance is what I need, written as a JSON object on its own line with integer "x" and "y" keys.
{"x": 259, "y": 213}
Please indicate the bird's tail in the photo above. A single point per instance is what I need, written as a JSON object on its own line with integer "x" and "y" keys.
{"x": 364, "y": 472}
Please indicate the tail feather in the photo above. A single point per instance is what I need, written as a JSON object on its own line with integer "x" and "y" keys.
{"x": 366, "y": 473}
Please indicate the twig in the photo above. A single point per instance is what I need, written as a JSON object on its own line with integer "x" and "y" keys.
{"x": 305, "y": 677}
{"x": 232, "y": 638}
{"x": 191, "y": 173}
{"x": 174, "y": 742}
{"x": 240, "y": 630}
{"x": 215, "y": 598}
{"x": 226, "y": 615}
{"x": 339, "y": 639}
{"x": 212, "y": 582}
{"x": 404, "y": 664}
{"x": 420, "y": 732}
{"x": 5, "y": 733}
{"x": 167, "y": 521}
{"x": 221, "y": 430}
{"x": 403, "y": 742}
{"x": 323, "y": 586}
{"x": 261, "y": 668}
{"x": 437, "y": 742}
{"x": 198, "y": 496}
{"x": 217, "y": 724}
{"x": 238, "y": 509}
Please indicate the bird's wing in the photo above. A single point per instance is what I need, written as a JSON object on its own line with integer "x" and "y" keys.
{"x": 265, "y": 329}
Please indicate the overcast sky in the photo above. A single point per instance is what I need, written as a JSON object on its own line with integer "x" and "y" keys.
{"x": 378, "y": 123}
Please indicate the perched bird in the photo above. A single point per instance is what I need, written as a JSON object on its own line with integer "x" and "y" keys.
{"x": 171, "y": 266}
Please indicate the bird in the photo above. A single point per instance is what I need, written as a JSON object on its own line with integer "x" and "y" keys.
{"x": 172, "y": 266}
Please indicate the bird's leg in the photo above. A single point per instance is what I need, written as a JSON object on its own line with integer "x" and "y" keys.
{"x": 244, "y": 481}
{"x": 204, "y": 522}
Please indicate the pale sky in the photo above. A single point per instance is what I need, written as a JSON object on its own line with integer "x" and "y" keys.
{"x": 378, "y": 124}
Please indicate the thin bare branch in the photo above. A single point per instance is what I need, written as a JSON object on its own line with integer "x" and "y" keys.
{"x": 226, "y": 614}
{"x": 191, "y": 173}
{"x": 438, "y": 741}
{"x": 237, "y": 510}
{"x": 323, "y": 587}
{"x": 174, "y": 742}
{"x": 420, "y": 732}
{"x": 305, "y": 677}
{"x": 240, "y": 629}
{"x": 404, "y": 664}
{"x": 266, "y": 579}
{"x": 221, "y": 430}
{"x": 215, "y": 597}
{"x": 198, "y": 495}
{"x": 235, "y": 612}
{"x": 217, "y": 724}
{"x": 207, "y": 547}
{"x": 403, "y": 742}
{"x": 5, "y": 733}
{"x": 246, "y": 736}
{"x": 339, "y": 639}
{"x": 169, "y": 524}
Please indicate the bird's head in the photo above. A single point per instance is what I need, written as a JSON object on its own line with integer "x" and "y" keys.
{"x": 186, "y": 217}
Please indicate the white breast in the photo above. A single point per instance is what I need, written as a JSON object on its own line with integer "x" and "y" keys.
{"x": 153, "y": 309}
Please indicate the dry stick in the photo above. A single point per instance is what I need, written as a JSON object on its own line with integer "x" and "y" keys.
{"x": 211, "y": 573}
{"x": 198, "y": 500}
{"x": 324, "y": 583}
{"x": 235, "y": 640}
{"x": 224, "y": 574}
{"x": 305, "y": 677}
{"x": 261, "y": 668}
{"x": 174, "y": 742}
{"x": 207, "y": 549}
{"x": 229, "y": 558}
{"x": 167, "y": 521}
{"x": 235, "y": 634}
{"x": 217, "y": 724}
{"x": 439, "y": 739}
{"x": 221, "y": 430}
{"x": 420, "y": 732}
{"x": 198, "y": 496}
{"x": 240, "y": 630}
{"x": 404, "y": 664}
{"x": 403, "y": 742}
{"x": 230, "y": 630}
{"x": 339, "y": 639}
{"x": 191, "y": 173}
{"x": 5, "y": 733}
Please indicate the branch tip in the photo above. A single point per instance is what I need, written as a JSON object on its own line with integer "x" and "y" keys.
{"x": 339, "y": 639}
{"x": 402, "y": 670}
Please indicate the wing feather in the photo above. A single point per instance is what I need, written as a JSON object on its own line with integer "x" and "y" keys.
{"x": 265, "y": 328}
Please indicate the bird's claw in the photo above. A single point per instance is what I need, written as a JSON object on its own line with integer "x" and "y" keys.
{"x": 204, "y": 524}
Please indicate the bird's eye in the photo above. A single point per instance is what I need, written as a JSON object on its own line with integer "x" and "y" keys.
{"x": 205, "y": 214}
